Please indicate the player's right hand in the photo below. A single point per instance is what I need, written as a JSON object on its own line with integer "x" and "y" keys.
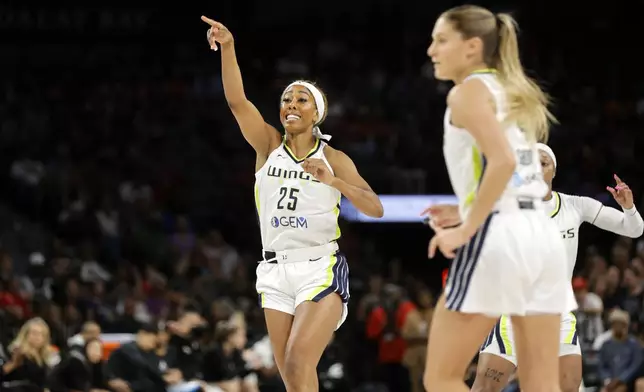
{"x": 442, "y": 216}
{"x": 217, "y": 33}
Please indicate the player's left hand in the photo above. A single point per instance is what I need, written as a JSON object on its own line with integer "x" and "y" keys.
{"x": 447, "y": 240}
{"x": 318, "y": 169}
{"x": 621, "y": 193}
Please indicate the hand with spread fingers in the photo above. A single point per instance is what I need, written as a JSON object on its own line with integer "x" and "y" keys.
{"x": 217, "y": 33}
{"x": 318, "y": 169}
{"x": 621, "y": 193}
{"x": 447, "y": 241}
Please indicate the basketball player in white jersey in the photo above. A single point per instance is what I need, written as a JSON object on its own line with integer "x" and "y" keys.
{"x": 508, "y": 254}
{"x": 497, "y": 359}
{"x": 302, "y": 282}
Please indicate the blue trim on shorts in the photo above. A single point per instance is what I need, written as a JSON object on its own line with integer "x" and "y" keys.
{"x": 462, "y": 268}
{"x": 340, "y": 282}
{"x": 490, "y": 337}
{"x": 574, "y": 337}
{"x": 499, "y": 339}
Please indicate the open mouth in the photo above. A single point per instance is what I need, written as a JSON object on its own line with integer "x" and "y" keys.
{"x": 292, "y": 118}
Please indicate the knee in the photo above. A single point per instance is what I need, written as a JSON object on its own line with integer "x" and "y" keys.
{"x": 296, "y": 369}
{"x": 570, "y": 385}
{"x": 570, "y": 381}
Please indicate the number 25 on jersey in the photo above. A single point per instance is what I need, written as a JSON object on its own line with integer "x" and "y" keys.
{"x": 288, "y": 196}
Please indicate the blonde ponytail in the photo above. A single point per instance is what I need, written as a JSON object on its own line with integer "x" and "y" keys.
{"x": 527, "y": 104}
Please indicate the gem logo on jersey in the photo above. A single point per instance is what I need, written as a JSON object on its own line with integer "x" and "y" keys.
{"x": 294, "y": 222}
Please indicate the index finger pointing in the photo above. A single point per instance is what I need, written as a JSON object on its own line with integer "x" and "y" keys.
{"x": 211, "y": 22}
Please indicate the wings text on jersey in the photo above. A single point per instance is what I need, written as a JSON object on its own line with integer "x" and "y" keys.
{"x": 289, "y": 174}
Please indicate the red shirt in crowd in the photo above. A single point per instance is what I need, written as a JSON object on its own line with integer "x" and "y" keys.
{"x": 390, "y": 349}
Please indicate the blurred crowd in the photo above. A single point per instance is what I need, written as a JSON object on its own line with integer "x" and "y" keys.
{"x": 127, "y": 204}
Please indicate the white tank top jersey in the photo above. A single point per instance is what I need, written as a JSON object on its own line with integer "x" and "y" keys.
{"x": 569, "y": 212}
{"x": 466, "y": 164}
{"x": 294, "y": 209}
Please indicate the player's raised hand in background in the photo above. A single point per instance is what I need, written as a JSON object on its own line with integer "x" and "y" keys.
{"x": 217, "y": 33}
{"x": 622, "y": 193}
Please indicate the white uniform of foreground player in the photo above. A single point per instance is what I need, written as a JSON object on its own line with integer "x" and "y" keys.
{"x": 507, "y": 267}
{"x": 506, "y": 249}
{"x": 498, "y": 354}
{"x": 568, "y": 212}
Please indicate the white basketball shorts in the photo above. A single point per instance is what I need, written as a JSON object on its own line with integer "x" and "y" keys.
{"x": 500, "y": 341}
{"x": 513, "y": 265}
{"x": 284, "y": 285}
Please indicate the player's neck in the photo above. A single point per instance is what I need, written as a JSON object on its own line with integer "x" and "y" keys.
{"x": 300, "y": 144}
{"x": 473, "y": 69}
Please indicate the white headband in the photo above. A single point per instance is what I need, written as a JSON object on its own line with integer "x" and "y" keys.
{"x": 548, "y": 150}
{"x": 319, "y": 104}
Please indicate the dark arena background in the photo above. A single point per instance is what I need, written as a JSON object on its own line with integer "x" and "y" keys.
{"x": 126, "y": 188}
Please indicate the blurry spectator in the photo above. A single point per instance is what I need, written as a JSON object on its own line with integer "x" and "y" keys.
{"x": 186, "y": 335}
{"x": 98, "y": 306}
{"x": 167, "y": 354}
{"x": 589, "y": 314}
{"x": 597, "y": 267}
{"x": 634, "y": 297}
{"x": 371, "y": 298}
{"x": 614, "y": 291}
{"x": 385, "y": 324}
{"x": 183, "y": 240}
{"x": 224, "y": 365}
{"x": 31, "y": 356}
{"x": 81, "y": 371}
{"x": 22, "y": 285}
{"x": 134, "y": 367}
{"x": 638, "y": 265}
{"x": 107, "y": 218}
{"x": 620, "y": 255}
{"x": 131, "y": 317}
{"x": 415, "y": 332}
{"x": 620, "y": 356}
{"x": 12, "y": 301}
{"x": 268, "y": 376}
{"x": 218, "y": 250}
{"x": 332, "y": 369}
{"x": 89, "y": 331}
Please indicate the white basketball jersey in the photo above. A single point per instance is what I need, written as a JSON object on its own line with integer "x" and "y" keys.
{"x": 569, "y": 212}
{"x": 466, "y": 164}
{"x": 294, "y": 209}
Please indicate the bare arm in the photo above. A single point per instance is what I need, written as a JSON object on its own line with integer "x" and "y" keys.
{"x": 472, "y": 110}
{"x": 349, "y": 182}
{"x": 260, "y": 135}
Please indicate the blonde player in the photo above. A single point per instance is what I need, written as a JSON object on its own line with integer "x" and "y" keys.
{"x": 303, "y": 282}
{"x": 508, "y": 250}
{"x": 497, "y": 360}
